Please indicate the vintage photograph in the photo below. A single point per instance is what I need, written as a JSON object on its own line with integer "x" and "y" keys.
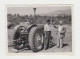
{"x": 39, "y": 29}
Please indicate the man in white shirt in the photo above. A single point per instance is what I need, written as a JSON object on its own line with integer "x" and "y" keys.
{"x": 47, "y": 30}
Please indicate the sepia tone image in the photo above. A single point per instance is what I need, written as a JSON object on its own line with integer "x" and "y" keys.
{"x": 39, "y": 29}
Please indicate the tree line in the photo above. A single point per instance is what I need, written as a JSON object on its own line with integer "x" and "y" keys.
{"x": 37, "y": 19}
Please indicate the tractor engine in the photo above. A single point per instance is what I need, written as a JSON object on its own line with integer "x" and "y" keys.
{"x": 20, "y": 36}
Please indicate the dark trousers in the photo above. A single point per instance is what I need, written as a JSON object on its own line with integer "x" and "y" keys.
{"x": 47, "y": 39}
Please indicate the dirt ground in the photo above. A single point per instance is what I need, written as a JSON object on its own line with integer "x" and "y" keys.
{"x": 67, "y": 41}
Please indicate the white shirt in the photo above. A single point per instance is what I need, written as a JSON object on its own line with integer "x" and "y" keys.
{"x": 47, "y": 27}
{"x": 61, "y": 27}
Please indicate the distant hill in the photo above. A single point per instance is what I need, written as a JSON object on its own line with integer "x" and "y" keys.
{"x": 58, "y": 12}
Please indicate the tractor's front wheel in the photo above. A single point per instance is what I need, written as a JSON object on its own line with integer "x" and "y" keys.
{"x": 36, "y": 39}
{"x": 18, "y": 42}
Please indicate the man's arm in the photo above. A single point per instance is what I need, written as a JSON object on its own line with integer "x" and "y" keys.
{"x": 64, "y": 30}
{"x": 45, "y": 30}
{"x": 55, "y": 26}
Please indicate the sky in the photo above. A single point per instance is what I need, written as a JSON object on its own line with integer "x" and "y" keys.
{"x": 39, "y": 9}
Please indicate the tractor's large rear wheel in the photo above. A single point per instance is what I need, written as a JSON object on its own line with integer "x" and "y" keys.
{"x": 36, "y": 39}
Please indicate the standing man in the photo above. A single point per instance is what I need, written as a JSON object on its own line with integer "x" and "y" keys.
{"x": 61, "y": 30}
{"x": 47, "y": 30}
{"x": 61, "y": 34}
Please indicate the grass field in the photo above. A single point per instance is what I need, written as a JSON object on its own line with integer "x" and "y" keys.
{"x": 66, "y": 48}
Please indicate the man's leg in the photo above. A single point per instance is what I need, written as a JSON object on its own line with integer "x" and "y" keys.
{"x": 46, "y": 41}
{"x": 49, "y": 39}
{"x": 61, "y": 40}
{"x": 48, "y": 34}
{"x": 58, "y": 40}
{"x": 47, "y": 45}
{"x": 61, "y": 43}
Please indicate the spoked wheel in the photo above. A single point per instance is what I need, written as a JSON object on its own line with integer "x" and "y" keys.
{"x": 36, "y": 39}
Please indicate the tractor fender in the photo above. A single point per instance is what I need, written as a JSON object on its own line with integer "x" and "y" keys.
{"x": 30, "y": 27}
